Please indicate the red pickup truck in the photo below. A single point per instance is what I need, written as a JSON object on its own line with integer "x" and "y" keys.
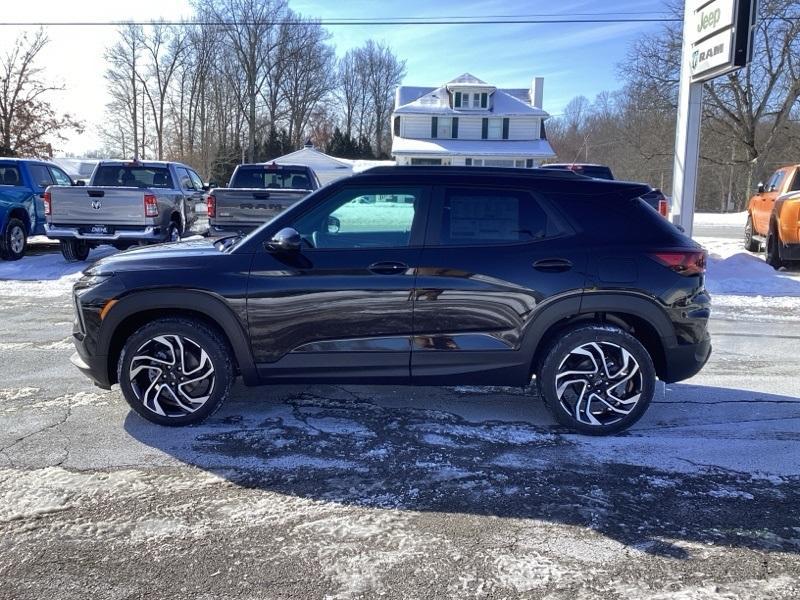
{"x": 773, "y": 217}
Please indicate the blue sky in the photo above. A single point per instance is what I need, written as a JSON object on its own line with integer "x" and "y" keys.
{"x": 574, "y": 59}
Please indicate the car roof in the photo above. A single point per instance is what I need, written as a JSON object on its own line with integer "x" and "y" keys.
{"x": 576, "y": 164}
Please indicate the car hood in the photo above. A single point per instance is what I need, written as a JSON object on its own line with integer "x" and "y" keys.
{"x": 187, "y": 254}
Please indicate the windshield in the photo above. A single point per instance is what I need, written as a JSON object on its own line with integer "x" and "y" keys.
{"x": 130, "y": 176}
{"x": 271, "y": 177}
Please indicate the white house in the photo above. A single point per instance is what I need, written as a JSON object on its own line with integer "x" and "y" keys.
{"x": 469, "y": 122}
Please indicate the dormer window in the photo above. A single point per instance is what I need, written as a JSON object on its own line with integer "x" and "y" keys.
{"x": 472, "y": 100}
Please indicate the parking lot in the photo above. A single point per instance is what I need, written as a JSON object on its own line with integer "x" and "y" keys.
{"x": 367, "y": 492}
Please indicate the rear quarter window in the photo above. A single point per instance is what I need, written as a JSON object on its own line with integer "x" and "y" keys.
{"x": 613, "y": 218}
{"x": 9, "y": 175}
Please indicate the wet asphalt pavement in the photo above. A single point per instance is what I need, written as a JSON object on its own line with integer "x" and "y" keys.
{"x": 369, "y": 492}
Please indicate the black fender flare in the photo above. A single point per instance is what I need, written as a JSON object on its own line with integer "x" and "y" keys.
{"x": 205, "y": 303}
{"x": 577, "y": 304}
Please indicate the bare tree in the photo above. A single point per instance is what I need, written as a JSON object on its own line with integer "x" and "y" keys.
{"x": 384, "y": 72}
{"x": 27, "y": 119}
{"x": 164, "y": 49}
{"x": 123, "y": 78}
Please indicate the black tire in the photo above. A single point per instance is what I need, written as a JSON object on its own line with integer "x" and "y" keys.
{"x": 14, "y": 240}
{"x": 173, "y": 232}
{"x": 74, "y": 250}
{"x": 564, "y": 359}
{"x": 773, "y": 251}
{"x": 750, "y": 244}
{"x": 143, "y": 384}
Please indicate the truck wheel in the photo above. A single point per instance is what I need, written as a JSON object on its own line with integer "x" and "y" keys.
{"x": 773, "y": 252}
{"x": 750, "y": 244}
{"x": 14, "y": 240}
{"x": 175, "y": 371}
{"x": 74, "y": 250}
{"x": 597, "y": 379}
{"x": 173, "y": 232}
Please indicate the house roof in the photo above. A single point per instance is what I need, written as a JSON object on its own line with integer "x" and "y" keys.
{"x": 467, "y": 78}
{"x": 312, "y": 158}
{"x": 538, "y": 148}
{"x": 436, "y": 101}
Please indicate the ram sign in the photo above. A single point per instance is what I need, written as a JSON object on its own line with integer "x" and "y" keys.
{"x": 719, "y": 35}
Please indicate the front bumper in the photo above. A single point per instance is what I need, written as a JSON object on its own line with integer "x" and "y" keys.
{"x": 60, "y": 232}
{"x": 93, "y": 367}
{"x": 790, "y": 251}
{"x": 683, "y": 361}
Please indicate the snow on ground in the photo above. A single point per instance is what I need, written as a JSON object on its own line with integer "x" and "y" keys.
{"x": 44, "y": 275}
{"x": 733, "y": 270}
{"x": 720, "y": 219}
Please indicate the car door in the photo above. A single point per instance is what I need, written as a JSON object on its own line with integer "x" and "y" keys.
{"x": 492, "y": 256}
{"x": 341, "y": 307}
{"x": 767, "y": 201}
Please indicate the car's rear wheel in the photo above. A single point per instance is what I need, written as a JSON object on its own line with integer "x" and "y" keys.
{"x": 175, "y": 371}
{"x": 13, "y": 240}
{"x": 74, "y": 250}
{"x": 597, "y": 379}
{"x": 773, "y": 252}
{"x": 750, "y": 244}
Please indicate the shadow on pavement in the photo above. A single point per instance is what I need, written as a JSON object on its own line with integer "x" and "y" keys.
{"x": 370, "y": 447}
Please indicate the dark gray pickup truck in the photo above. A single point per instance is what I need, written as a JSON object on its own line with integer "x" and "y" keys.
{"x": 257, "y": 193}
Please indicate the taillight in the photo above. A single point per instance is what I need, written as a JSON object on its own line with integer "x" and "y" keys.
{"x": 48, "y": 207}
{"x": 150, "y": 205}
{"x": 663, "y": 207}
{"x": 211, "y": 207}
{"x": 691, "y": 262}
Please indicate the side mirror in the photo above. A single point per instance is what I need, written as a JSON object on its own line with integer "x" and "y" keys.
{"x": 286, "y": 240}
{"x": 80, "y": 183}
{"x": 761, "y": 188}
{"x": 206, "y": 187}
{"x": 334, "y": 225}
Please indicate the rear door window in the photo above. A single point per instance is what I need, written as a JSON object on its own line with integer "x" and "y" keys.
{"x": 40, "y": 175}
{"x": 474, "y": 217}
{"x": 196, "y": 181}
{"x": 9, "y": 175}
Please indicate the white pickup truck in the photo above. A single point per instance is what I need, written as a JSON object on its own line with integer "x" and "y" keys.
{"x": 126, "y": 203}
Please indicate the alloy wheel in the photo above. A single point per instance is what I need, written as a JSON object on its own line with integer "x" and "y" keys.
{"x": 171, "y": 375}
{"x": 17, "y": 239}
{"x": 599, "y": 383}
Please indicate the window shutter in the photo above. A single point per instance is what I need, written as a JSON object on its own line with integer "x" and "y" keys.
{"x": 454, "y": 132}
{"x": 505, "y": 128}
{"x": 434, "y": 126}
{"x": 529, "y": 163}
{"x": 458, "y": 99}
{"x": 485, "y": 128}
{"x": 468, "y": 162}
{"x": 484, "y": 100}
{"x": 397, "y": 126}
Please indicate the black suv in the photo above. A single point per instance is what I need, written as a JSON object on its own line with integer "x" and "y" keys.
{"x": 412, "y": 275}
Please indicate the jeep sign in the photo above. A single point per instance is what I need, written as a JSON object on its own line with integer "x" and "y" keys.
{"x": 718, "y": 36}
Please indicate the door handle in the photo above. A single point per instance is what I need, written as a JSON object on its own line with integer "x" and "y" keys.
{"x": 388, "y": 268}
{"x": 552, "y": 265}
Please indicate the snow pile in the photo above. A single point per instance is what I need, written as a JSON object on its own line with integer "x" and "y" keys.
{"x": 733, "y": 271}
{"x": 721, "y": 219}
{"x": 359, "y": 165}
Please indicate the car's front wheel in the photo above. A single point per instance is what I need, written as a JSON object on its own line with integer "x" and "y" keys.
{"x": 175, "y": 371}
{"x": 773, "y": 252}
{"x": 597, "y": 379}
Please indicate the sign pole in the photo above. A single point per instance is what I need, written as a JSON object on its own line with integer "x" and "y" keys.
{"x": 687, "y": 139}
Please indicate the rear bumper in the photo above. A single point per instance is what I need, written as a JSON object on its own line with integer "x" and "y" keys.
{"x": 60, "y": 232}
{"x": 683, "y": 361}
